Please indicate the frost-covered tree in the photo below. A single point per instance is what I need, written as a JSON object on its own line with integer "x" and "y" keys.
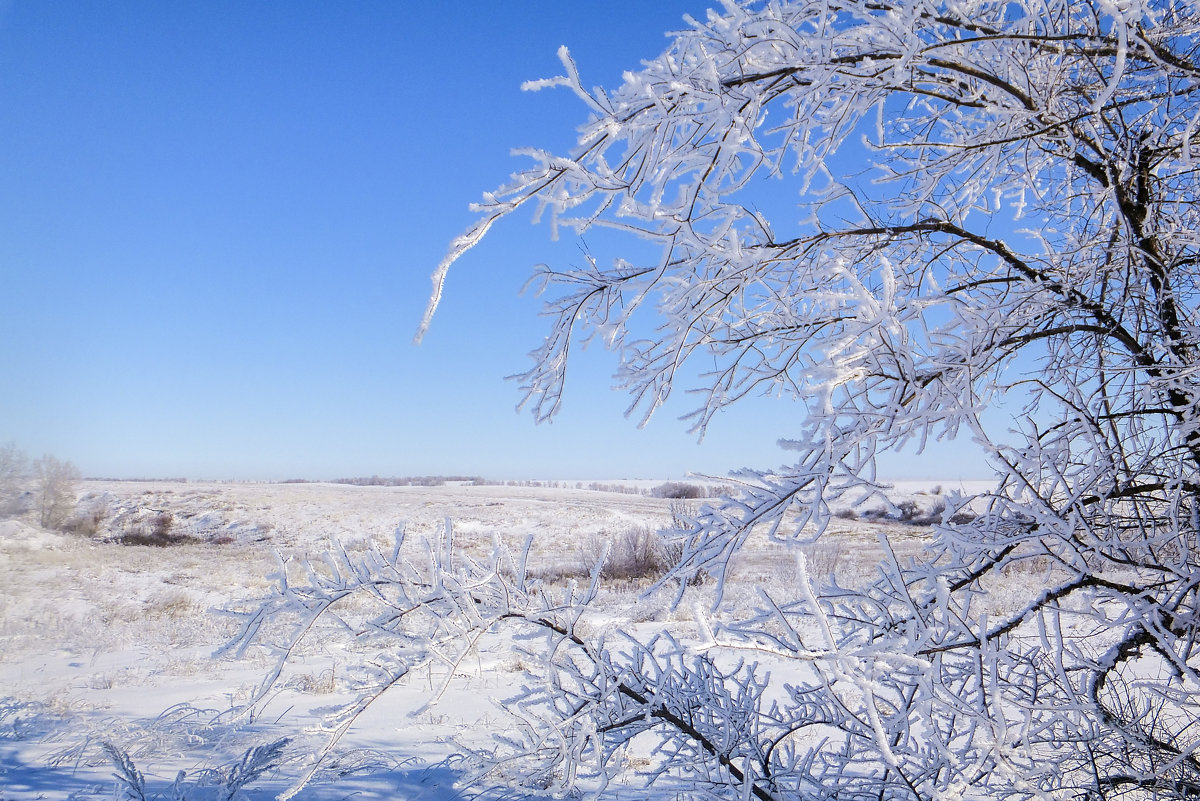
{"x": 901, "y": 213}
{"x": 54, "y": 490}
{"x": 14, "y": 470}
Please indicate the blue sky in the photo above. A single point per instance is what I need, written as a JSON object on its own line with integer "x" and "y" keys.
{"x": 218, "y": 220}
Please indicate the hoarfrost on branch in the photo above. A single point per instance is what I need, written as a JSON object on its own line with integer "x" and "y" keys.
{"x": 983, "y": 203}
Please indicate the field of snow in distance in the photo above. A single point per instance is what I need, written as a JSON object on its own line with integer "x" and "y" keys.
{"x": 105, "y": 642}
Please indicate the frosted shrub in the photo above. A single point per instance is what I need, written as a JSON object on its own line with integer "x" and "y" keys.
{"x": 639, "y": 552}
{"x": 824, "y": 558}
{"x": 86, "y": 522}
{"x": 54, "y": 490}
{"x": 675, "y": 489}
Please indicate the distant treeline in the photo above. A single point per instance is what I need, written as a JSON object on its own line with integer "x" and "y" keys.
{"x": 400, "y": 481}
{"x": 143, "y": 480}
{"x": 669, "y": 489}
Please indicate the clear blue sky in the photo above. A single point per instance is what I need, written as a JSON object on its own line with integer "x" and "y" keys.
{"x": 218, "y": 220}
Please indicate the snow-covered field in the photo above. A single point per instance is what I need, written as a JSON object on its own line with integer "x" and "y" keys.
{"x": 108, "y": 643}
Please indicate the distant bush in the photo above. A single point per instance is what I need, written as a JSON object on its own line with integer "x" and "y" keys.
{"x": 676, "y": 489}
{"x": 85, "y": 523}
{"x": 636, "y": 554}
{"x": 907, "y": 511}
{"x": 152, "y": 540}
{"x": 823, "y": 558}
{"x": 160, "y": 525}
{"x": 157, "y": 532}
{"x": 683, "y": 513}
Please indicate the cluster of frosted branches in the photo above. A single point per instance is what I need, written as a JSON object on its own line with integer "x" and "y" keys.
{"x": 585, "y": 700}
{"x": 899, "y": 691}
{"x": 225, "y": 784}
{"x": 413, "y": 607}
{"x": 983, "y": 202}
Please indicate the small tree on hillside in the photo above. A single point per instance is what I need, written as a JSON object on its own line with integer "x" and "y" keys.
{"x": 997, "y": 201}
{"x": 14, "y": 470}
{"x": 54, "y": 490}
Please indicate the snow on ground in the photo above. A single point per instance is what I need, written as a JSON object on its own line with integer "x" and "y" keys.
{"x": 103, "y": 642}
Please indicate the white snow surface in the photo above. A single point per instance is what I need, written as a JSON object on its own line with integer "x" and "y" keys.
{"x": 103, "y": 642}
